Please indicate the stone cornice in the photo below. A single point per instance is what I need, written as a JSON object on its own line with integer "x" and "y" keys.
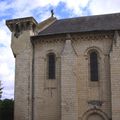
{"x": 93, "y": 36}
{"x": 73, "y": 37}
{"x": 21, "y": 22}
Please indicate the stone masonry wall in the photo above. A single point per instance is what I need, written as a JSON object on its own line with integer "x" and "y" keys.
{"x": 23, "y": 76}
{"x": 49, "y": 95}
{"x": 115, "y": 76}
{"x": 87, "y": 90}
{"x": 48, "y": 92}
{"x": 69, "y": 98}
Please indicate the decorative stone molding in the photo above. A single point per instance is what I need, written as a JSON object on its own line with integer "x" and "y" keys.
{"x": 116, "y": 39}
{"x": 73, "y": 37}
{"x": 92, "y": 36}
{"x": 48, "y": 40}
{"x": 95, "y": 111}
{"x": 22, "y": 24}
{"x": 95, "y": 103}
{"x": 93, "y": 48}
{"x": 11, "y": 23}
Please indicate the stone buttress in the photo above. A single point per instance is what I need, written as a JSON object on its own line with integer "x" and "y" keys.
{"x": 69, "y": 100}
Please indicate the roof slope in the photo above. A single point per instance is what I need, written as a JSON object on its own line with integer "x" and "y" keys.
{"x": 84, "y": 24}
{"x": 44, "y": 24}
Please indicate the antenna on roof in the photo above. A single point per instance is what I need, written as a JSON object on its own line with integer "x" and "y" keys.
{"x": 52, "y": 13}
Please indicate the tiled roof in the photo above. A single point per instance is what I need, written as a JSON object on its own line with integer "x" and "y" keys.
{"x": 83, "y": 24}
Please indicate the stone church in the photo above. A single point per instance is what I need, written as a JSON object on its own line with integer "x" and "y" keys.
{"x": 67, "y": 69}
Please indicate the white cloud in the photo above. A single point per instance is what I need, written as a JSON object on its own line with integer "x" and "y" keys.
{"x": 24, "y": 8}
{"x": 39, "y": 9}
{"x": 4, "y": 34}
{"x": 6, "y": 62}
{"x": 4, "y": 69}
{"x": 94, "y": 6}
{"x": 76, "y": 5}
{"x": 104, "y": 6}
{"x": 4, "y": 6}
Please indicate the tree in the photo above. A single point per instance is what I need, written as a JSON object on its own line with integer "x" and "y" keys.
{"x": 6, "y": 109}
{"x": 0, "y": 91}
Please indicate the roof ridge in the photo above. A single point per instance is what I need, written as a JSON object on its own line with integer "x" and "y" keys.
{"x": 100, "y": 15}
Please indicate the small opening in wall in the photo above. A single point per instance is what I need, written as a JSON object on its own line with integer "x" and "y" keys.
{"x": 93, "y": 66}
{"x": 51, "y": 66}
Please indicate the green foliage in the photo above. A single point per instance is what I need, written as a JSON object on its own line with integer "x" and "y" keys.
{"x": 6, "y": 109}
{"x": 1, "y": 92}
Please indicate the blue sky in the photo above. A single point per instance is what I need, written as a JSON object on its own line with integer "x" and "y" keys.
{"x": 40, "y": 10}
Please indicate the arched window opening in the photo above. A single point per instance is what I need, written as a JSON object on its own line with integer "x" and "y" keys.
{"x": 93, "y": 66}
{"x": 51, "y": 66}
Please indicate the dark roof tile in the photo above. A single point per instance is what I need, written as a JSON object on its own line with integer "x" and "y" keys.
{"x": 84, "y": 24}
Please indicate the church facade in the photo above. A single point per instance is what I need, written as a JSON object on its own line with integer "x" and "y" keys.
{"x": 67, "y": 69}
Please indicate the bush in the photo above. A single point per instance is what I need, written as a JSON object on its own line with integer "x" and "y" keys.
{"x": 6, "y": 109}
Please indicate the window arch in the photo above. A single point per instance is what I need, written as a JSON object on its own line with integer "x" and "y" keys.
{"x": 94, "y": 66}
{"x": 95, "y": 112}
{"x": 51, "y": 65}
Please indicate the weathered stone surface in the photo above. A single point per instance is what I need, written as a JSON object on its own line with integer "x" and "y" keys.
{"x": 115, "y": 76}
{"x": 69, "y": 99}
{"x": 71, "y": 95}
